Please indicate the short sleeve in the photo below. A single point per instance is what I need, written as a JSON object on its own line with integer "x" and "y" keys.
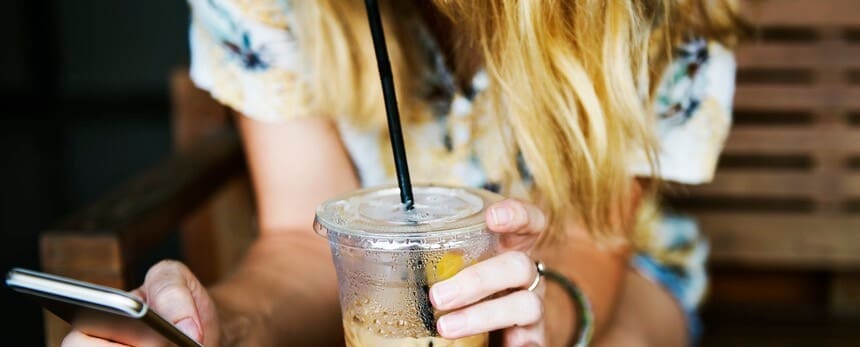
{"x": 693, "y": 104}
{"x": 245, "y": 55}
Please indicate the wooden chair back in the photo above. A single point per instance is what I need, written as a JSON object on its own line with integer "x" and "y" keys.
{"x": 786, "y": 196}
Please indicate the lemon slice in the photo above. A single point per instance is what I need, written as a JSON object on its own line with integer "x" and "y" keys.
{"x": 450, "y": 264}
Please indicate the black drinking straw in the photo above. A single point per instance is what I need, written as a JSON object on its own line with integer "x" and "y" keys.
{"x": 396, "y": 135}
{"x": 385, "y": 75}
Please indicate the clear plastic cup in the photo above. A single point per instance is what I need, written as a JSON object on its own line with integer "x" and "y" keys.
{"x": 386, "y": 258}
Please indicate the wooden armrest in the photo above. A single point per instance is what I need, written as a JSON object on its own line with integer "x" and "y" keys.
{"x": 100, "y": 243}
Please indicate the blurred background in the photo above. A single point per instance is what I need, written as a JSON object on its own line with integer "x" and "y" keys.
{"x": 84, "y": 86}
{"x": 115, "y": 160}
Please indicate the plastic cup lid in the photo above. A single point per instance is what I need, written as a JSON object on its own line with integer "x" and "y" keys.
{"x": 374, "y": 218}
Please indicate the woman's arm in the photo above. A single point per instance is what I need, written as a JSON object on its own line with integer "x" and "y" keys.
{"x": 284, "y": 292}
{"x": 630, "y": 310}
{"x": 598, "y": 269}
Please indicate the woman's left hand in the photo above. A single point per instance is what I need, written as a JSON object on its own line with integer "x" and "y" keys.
{"x": 520, "y": 312}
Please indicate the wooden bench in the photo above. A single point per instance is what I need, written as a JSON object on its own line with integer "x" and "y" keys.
{"x": 794, "y": 151}
{"x": 783, "y": 214}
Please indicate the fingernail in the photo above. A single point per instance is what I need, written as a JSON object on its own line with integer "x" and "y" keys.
{"x": 452, "y": 324}
{"x": 190, "y": 328}
{"x": 443, "y": 293}
{"x": 501, "y": 215}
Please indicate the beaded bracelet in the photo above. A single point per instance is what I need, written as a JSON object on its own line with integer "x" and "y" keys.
{"x": 585, "y": 315}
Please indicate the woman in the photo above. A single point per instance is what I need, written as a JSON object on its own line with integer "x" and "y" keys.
{"x": 547, "y": 102}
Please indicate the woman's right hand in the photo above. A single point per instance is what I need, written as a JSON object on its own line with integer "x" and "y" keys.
{"x": 171, "y": 290}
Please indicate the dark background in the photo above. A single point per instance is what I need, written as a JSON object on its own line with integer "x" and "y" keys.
{"x": 83, "y": 98}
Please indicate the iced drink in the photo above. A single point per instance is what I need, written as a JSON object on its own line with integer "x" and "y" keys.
{"x": 387, "y": 257}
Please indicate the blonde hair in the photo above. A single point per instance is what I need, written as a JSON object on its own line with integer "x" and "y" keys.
{"x": 568, "y": 79}
{"x": 717, "y": 20}
{"x": 337, "y": 48}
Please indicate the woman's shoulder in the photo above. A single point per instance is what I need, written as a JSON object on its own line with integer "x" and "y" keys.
{"x": 245, "y": 54}
{"x": 273, "y": 13}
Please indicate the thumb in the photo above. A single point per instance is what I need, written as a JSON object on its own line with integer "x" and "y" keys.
{"x": 169, "y": 290}
{"x": 518, "y": 223}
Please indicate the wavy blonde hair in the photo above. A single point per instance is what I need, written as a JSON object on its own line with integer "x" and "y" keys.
{"x": 569, "y": 81}
{"x": 338, "y": 50}
{"x": 567, "y": 78}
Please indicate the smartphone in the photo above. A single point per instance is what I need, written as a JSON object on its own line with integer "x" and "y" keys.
{"x": 98, "y": 310}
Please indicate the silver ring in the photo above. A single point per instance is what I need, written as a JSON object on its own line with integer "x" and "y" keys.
{"x": 540, "y": 269}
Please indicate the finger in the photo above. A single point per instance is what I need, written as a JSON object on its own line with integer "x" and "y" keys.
{"x": 504, "y": 271}
{"x": 515, "y": 216}
{"x": 138, "y": 293}
{"x": 522, "y": 308}
{"x": 168, "y": 287}
{"x": 79, "y": 339}
{"x": 530, "y": 335}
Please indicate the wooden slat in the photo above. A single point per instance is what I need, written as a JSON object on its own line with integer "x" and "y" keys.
{"x": 233, "y": 215}
{"x": 780, "y": 326}
{"x": 91, "y": 258}
{"x": 56, "y": 329}
{"x": 761, "y": 183}
{"x": 850, "y": 185}
{"x": 777, "y": 184}
{"x": 216, "y": 234}
{"x": 791, "y": 140}
{"x": 226, "y": 221}
{"x": 783, "y": 240}
{"x": 728, "y": 286}
{"x": 194, "y": 113}
{"x": 845, "y": 293}
{"x": 803, "y": 12}
{"x": 814, "y": 56}
{"x": 194, "y": 116}
{"x": 782, "y": 97}
{"x": 95, "y": 259}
